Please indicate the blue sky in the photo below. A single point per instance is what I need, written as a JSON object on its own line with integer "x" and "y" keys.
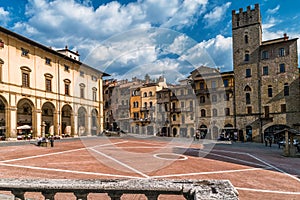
{"x": 133, "y": 38}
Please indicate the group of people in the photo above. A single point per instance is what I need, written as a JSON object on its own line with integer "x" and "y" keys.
{"x": 41, "y": 140}
{"x": 268, "y": 139}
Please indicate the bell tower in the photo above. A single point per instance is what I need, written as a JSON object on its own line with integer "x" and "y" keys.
{"x": 246, "y": 41}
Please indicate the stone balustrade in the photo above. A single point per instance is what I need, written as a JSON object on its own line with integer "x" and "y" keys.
{"x": 151, "y": 188}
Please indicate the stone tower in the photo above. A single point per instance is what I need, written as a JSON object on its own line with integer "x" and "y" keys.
{"x": 267, "y": 97}
{"x": 247, "y": 38}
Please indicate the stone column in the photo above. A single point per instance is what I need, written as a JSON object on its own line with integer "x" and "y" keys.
{"x": 12, "y": 122}
{"x": 39, "y": 124}
{"x": 75, "y": 125}
{"x": 89, "y": 125}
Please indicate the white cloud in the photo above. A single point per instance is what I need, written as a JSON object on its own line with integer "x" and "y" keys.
{"x": 4, "y": 16}
{"x": 274, "y": 10}
{"x": 216, "y": 14}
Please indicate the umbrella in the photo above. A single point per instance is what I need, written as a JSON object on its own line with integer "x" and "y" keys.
{"x": 24, "y": 127}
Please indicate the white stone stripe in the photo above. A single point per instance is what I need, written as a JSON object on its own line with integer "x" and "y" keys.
{"x": 272, "y": 166}
{"x": 121, "y": 163}
{"x": 267, "y": 191}
{"x": 61, "y": 152}
{"x": 207, "y": 173}
{"x": 68, "y": 171}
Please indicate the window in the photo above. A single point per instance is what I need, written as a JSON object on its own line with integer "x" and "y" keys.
{"x": 248, "y": 73}
{"x": 145, "y": 105}
{"x": 267, "y": 111}
{"x": 192, "y": 117}
{"x": 48, "y": 85}
{"x": 270, "y": 91}
{"x": 174, "y": 117}
{"x": 282, "y": 68}
{"x": 66, "y": 68}
{"x": 25, "y": 79}
{"x": 248, "y": 100}
{"x": 182, "y": 104}
{"x": 246, "y": 39}
{"x": 48, "y": 61}
{"x": 203, "y": 113}
{"x": 227, "y": 111}
{"x": 67, "y": 86}
{"x": 215, "y": 112}
{"x": 247, "y": 56}
{"x": 94, "y": 78}
{"x": 181, "y": 92}
{"x": 226, "y": 96}
{"x": 183, "y": 119}
{"x": 24, "y": 52}
{"x": 283, "y": 108}
{"x": 226, "y": 82}
{"x": 281, "y": 52}
{"x": 201, "y": 85}
{"x": 265, "y": 55}
{"x": 265, "y": 70}
{"x": 202, "y": 99}
{"x": 214, "y": 98}
{"x": 94, "y": 94}
{"x": 150, "y": 94}
{"x": 151, "y": 104}
{"x": 145, "y": 94}
{"x": 81, "y": 73}
{"x": 249, "y": 110}
{"x": 82, "y": 87}
{"x": 213, "y": 85}
{"x": 286, "y": 89}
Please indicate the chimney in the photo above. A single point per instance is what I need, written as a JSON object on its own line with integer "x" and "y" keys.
{"x": 285, "y": 37}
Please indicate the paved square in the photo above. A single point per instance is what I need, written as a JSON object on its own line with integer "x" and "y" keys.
{"x": 254, "y": 170}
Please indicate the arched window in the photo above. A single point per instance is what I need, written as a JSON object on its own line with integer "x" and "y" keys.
{"x": 247, "y": 88}
{"x": 145, "y": 104}
{"x": 246, "y": 39}
{"x": 247, "y": 56}
{"x": 270, "y": 91}
{"x": 145, "y": 94}
{"x": 286, "y": 89}
{"x": 150, "y": 94}
{"x": 174, "y": 117}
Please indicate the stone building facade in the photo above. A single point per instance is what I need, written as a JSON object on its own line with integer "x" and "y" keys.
{"x": 266, "y": 78}
{"x": 44, "y": 91}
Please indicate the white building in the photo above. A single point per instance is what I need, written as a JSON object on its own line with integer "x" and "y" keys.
{"x": 50, "y": 91}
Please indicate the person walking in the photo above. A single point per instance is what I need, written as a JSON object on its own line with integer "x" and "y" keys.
{"x": 270, "y": 141}
{"x": 266, "y": 141}
{"x": 51, "y": 141}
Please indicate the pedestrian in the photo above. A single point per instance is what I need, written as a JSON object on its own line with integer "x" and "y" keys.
{"x": 266, "y": 141}
{"x": 52, "y": 141}
{"x": 270, "y": 141}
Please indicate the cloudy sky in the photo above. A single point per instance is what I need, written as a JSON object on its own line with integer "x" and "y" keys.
{"x": 129, "y": 38}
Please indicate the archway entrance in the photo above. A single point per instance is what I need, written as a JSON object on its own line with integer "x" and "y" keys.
{"x": 269, "y": 132}
{"x": 48, "y": 117}
{"x": 66, "y": 119}
{"x": 3, "y": 115}
{"x": 25, "y": 126}
{"x": 82, "y": 122}
{"x": 95, "y": 125}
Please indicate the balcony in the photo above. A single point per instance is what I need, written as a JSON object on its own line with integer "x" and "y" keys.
{"x": 189, "y": 189}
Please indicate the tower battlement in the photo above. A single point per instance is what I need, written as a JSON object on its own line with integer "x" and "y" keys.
{"x": 244, "y": 18}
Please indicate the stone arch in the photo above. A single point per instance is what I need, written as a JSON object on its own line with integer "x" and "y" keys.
{"x": 4, "y": 118}
{"x": 67, "y": 120}
{"x": 174, "y": 132}
{"x": 272, "y": 130}
{"x": 94, "y": 122}
{"x": 82, "y": 121}
{"x": 48, "y": 110}
{"x": 26, "y": 116}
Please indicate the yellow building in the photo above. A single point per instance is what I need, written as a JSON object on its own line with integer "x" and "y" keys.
{"x": 43, "y": 91}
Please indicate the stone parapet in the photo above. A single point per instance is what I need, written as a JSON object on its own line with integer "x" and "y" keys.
{"x": 151, "y": 188}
